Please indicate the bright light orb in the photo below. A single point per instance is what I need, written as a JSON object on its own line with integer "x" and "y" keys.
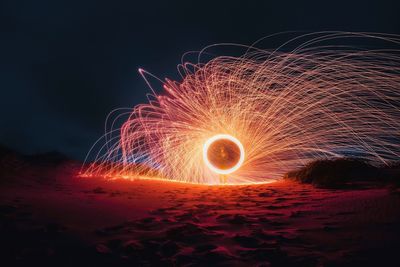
{"x": 223, "y": 154}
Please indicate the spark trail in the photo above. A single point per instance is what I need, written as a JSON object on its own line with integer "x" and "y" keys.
{"x": 316, "y": 101}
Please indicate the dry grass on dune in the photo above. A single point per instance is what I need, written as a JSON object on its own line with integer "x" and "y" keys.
{"x": 340, "y": 172}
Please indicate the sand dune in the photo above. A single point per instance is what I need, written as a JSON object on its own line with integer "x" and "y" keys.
{"x": 52, "y": 218}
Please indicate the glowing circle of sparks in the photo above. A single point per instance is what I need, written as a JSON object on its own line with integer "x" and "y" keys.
{"x": 219, "y": 137}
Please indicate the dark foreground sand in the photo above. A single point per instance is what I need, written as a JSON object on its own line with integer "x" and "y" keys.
{"x": 48, "y": 217}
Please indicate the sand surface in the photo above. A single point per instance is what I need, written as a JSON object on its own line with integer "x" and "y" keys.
{"x": 52, "y": 218}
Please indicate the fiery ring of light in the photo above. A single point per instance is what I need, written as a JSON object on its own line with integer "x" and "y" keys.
{"x": 223, "y": 137}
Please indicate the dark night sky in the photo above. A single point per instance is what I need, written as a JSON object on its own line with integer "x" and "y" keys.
{"x": 65, "y": 64}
